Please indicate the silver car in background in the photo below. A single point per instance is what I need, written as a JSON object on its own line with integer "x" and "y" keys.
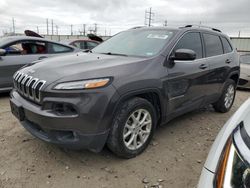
{"x": 228, "y": 162}
{"x": 17, "y": 51}
{"x": 244, "y": 81}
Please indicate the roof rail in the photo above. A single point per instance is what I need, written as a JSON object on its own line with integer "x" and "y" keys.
{"x": 203, "y": 26}
{"x": 137, "y": 27}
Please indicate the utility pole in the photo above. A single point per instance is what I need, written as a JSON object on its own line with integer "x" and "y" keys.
{"x": 200, "y": 24}
{"x": 37, "y": 29}
{"x": 95, "y": 29}
{"x": 56, "y": 29}
{"x": 47, "y": 23}
{"x": 165, "y": 23}
{"x": 84, "y": 29}
{"x": 71, "y": 28}
{"x": 149, "y": 17}
{"x": 52, "y": 26}
{"x": 13, "y": 26}
{"x": 239, "y": 34}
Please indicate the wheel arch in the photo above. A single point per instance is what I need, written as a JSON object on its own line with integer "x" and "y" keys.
{"x": 152, "y": 95}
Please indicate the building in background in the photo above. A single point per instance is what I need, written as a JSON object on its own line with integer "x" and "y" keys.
{"x": 242, "y": 44}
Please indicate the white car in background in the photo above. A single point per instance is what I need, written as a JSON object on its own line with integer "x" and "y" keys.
{"x": 228, "y": 162}
{"x": 244, "y": 81}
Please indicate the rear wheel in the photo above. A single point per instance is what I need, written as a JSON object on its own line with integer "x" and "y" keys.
{"x": 226, "y": 100}
{"x": 133, "y": 128}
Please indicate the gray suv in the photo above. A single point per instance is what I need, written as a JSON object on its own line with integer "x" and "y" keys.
{"x": 120, "y": 91}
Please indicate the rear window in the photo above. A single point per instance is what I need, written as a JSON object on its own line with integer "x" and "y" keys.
{"x": 213, "y": 45}
{"x": 227, "y": 47}
{"x": 57, "y": 48}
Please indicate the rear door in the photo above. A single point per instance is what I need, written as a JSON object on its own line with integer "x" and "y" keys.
{"x": 18, "y": 54}
{"x": 220, "y": 58}
{"x": 188, "y": 79}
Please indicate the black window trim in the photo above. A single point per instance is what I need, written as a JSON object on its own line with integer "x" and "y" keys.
{"x": 223, "y": 45}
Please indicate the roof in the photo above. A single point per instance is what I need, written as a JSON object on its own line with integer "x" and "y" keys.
{"x": 68, "y": 41}
{"x": 185, "y": 28}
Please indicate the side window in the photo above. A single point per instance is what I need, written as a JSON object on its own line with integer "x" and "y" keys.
{"x": 191, "y": 41}
{"x": 57, "y": 48}
{"x": 91, "y": 45}
{"x": 26, "y": 48}
{"x": 213, "y": 45}
{"x": 227, "y": 47}
{"x": 76, "y": 44}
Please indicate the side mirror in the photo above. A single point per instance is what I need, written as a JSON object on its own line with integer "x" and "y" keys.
{"x": 2, "y": 52}
{"x": 184, "y": 55}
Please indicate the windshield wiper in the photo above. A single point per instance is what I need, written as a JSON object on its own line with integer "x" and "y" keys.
{"x": 110, "y": 53}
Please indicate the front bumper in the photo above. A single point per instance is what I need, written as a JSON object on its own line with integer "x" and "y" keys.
{"x": 75, "y": 131}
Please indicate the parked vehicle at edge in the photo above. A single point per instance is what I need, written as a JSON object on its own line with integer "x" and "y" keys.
{"x": 244, "y": 81}
{"x": 84, "y": 44}
{"x": 17, "y": 51}
{"x": 121, "y": 90}
{"x": 228, "y": 161}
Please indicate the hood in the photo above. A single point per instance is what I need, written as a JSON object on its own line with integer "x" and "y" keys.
{"x": 82, "y": 66}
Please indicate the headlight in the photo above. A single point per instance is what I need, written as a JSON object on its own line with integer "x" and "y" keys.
{"x": 233, "y": 171}
{"x": 84, "y": 84}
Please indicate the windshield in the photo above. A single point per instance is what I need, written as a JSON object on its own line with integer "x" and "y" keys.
{"x": 136, "y": 42}
{"x": 245, "y": 59}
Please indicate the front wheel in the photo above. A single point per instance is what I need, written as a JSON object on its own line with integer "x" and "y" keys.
{"x": 226, "y": 100}
{"x": 133, "y": 128}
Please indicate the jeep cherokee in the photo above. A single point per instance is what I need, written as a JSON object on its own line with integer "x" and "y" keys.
{"x": 120, "y": 91}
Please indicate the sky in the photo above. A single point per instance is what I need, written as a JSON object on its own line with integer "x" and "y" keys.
{"x": 112, "y": 16}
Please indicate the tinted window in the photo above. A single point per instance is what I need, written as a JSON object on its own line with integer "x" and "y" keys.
{"x": 226, "y": 45}
{"x": 91, "y": 45}
{"x": 191, "y": 41}
{"x": 57, "y": 48}
{"x": 77, "y": 44}
{"x": 136, "y": 42}
{"x": 26, "y": 48}
{"x": 213, "y": 45}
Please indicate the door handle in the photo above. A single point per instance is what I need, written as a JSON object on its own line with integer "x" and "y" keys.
{"x": 228, "y": 61}
{"x": 203, "y": 66}
{"x": 42, "y": 57}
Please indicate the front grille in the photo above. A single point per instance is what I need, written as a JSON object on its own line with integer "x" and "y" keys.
{"x": 28, "y": 86}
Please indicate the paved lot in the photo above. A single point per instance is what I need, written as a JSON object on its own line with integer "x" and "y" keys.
{"x": 175, "y": 157}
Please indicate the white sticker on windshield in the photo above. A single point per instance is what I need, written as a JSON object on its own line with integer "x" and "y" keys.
{"x": 149, "y": 53}
{"x": 157, "y": 36}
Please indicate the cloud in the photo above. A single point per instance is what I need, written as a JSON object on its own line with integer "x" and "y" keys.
{"x": 229, "y": 15}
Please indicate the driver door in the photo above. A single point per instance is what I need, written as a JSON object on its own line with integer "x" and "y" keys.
{"x": 187, "y": 80}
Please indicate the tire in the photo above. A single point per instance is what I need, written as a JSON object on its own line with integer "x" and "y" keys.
{"x": 126, "y": 125}
{"x": 228, "y": 94}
